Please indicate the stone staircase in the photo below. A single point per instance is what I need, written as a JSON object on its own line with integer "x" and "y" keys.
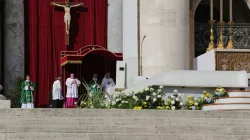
{"x": 94, "y": 124}
{"x": 236, "y": 100}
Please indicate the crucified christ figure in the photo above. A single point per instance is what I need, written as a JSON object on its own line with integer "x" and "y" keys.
{"x": 67, "y": 16}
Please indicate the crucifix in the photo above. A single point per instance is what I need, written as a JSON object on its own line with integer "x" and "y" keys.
{"x": 67, "y": 17}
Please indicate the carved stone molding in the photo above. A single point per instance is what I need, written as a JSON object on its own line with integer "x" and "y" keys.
{"x": 233, "y": 61}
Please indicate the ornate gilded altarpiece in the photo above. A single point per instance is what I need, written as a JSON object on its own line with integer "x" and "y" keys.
{"x": 233, "y": 60}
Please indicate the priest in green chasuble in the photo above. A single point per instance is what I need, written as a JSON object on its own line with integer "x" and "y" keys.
{"x": 27, "y": 95}
{"x": 94, "y": 84}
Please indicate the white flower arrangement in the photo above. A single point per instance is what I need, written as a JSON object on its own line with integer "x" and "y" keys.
{"x": 154, "y": 94}
{"x": 159, "y": 90}
{"x": 151, "y": 97}
{"x": 154, "y": 100}
{"x": 174, "y": 102}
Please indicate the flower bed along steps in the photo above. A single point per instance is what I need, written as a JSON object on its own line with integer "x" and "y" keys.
{"x": 236, "y": 100}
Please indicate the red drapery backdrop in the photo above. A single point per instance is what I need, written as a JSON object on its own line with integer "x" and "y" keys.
{"x": 45, "y": 38}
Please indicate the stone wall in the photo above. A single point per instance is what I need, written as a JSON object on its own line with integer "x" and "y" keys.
{"x": 166, "y": 25}
{"x": 115, "y": 19}
{"x": 14, "y": 43}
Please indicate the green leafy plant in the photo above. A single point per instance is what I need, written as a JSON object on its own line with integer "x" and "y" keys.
{"x": 15, "y": 93}
{"x": 98, "y": 100}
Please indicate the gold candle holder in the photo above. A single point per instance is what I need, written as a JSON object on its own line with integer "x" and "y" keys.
{"x": 230, "y": 44}
{"x": 221, "y": 44}
{"x": 211, "y": 45}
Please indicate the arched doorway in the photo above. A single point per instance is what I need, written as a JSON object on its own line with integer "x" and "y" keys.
{"x": 88, "y": 60}
{"x": 97, "y": 63}
{"x": 241, "y": 29}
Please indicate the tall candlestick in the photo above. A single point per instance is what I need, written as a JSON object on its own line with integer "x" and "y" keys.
{"x": 211, "y": 45}
{"x": 211, "y": 10}
{"x": 221, "y": 10}
{"x": 231, "y": 10}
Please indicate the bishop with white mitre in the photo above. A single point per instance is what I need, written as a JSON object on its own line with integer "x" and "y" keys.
{"x": 72, "y": 84}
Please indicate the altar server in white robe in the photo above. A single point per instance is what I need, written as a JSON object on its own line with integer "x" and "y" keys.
{"x": 108, "y": 84}
{"x": 72, "y": 84}
{"x": 57, "y": 98}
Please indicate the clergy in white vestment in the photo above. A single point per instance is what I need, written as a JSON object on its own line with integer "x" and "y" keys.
{"x": 72, "y": 84}
{"x": 108, "y": 84}
{"x": 57, "y": 98}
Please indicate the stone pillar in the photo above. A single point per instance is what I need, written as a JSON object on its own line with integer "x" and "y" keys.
{"x": 14, "y": 43}
{"x": 166, "y": 26}
{"x": 115, "y": 35}
{"x": 130, "y": 39}
{"x": 1, "y": 41}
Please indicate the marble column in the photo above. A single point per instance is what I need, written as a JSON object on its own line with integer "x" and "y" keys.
{"x": 115, "y": 26}
{"x": 192, "y": 8}
{"x": 14, "y": 43}
{"x": 130, "y": 39}
{"x": 166, "y": 25}
{"x": 1, "y": 41}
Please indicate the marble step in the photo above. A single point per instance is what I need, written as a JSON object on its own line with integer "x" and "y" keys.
{"x": 239, "y": 93}
{"x": 81, "y": 113}
{"x": 118, "y": 136}
{"x": 123, "y": 121}
{"x": 226, "y": 107}
{"x": 233, "y": 100}
{"x": 136, "y": 129}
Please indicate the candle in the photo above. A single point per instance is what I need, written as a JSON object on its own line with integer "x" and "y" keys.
{"x": 231, "y": 10}
{"x": 211, "y": 10}
{"x": 221, "y": 10}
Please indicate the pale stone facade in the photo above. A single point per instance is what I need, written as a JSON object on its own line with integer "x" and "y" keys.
{"x": 165, "y": 23}
{"x": 115, "y": 25}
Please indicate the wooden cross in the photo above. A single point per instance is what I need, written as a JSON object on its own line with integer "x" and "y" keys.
{"x": 67, "y": 17}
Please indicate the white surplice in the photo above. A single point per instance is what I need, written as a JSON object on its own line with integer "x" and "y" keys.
{"x": 108, "y": 85}
{"x": 72, "y": 89}
{"x": 57, "y": 90}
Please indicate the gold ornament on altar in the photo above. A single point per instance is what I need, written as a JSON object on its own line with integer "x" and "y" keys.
{"x": 221, "y": 43}
{"x": 211, "y": 45}
{"x": 230, "y": 44}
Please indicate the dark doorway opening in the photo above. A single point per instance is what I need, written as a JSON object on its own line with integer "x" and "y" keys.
{"x": 241, "y": 28}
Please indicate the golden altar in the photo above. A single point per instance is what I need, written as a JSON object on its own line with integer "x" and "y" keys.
{"x": 224, "y": 60}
